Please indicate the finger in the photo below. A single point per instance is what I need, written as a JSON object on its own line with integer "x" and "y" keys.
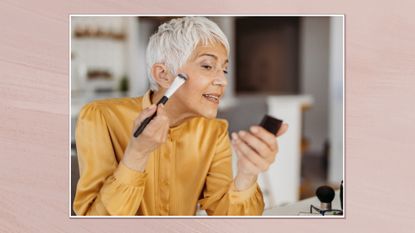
{"x": 283, "y": 129}
{"x": 255, "y": 143}
{"x": 161, "y": 117}
{"x": 250, "y": 154}
{"x": 161, "y": 109}
{"x": 144, "y": 114}
{"x": 159, "y": 125}
{"x": 246, "y": 165}
{"x": 265, "y": 136}
{"x": 156, "y": 131}
{"x": 165, "y": 130}
{"x": 147, "y": 112}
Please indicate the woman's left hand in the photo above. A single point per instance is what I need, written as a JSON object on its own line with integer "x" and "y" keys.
{"x": 256, "y": 151}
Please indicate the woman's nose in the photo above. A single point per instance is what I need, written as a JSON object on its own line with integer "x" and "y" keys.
{"x": 221, "y": 80}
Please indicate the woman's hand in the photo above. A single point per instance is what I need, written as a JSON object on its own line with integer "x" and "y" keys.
{"x": 256, "y": 151}
{"x": 155, "y": 134}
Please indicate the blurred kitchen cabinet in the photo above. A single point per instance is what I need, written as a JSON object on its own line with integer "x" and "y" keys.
{"x": 267, "y": 59}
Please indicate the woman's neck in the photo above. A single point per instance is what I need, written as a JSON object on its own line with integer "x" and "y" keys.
{"x": 174, "y": 110}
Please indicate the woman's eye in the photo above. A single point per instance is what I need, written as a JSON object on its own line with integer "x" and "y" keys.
{"x": 207, "y": 67}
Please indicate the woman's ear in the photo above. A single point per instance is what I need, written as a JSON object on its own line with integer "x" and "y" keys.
{"x": 161, "y": 75}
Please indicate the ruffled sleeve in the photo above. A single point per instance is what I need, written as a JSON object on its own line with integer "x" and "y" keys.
{"x": 105, "y": 187}
{"x": 219, "y": 195}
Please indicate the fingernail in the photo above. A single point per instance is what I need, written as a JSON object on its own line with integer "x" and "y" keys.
{"x": 242, "y": 133}
{"x": 234, "y": 136}
{"x": 254, "y": 129}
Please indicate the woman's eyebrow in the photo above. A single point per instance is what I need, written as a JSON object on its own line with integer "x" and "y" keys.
{"x": 214, "y": 56}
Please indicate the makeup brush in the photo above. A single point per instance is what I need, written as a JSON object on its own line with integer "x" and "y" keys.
{"x": 178, "y": 82}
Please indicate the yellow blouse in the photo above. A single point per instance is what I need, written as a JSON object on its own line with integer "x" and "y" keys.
{"x": 193, "y": 167}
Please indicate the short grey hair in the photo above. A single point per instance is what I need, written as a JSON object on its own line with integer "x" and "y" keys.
{"x": 175, "y": 40}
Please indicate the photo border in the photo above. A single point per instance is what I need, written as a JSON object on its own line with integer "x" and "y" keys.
{"x": 198, "y": 216}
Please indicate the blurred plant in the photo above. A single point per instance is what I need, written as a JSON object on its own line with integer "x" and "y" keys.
{"x": 124, "y": 84}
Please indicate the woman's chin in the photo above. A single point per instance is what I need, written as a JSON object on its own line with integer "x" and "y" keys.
{"x": 206, "y": 113}
{"x": 210, "y": 114}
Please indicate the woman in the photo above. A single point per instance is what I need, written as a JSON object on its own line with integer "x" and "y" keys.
{"x": 183, "y": 157}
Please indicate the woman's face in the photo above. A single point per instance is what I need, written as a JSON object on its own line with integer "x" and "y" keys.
{"x": 206, "y": 71}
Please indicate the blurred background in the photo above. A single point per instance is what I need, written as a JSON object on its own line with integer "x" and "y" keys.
{"x": 287, "y": 67}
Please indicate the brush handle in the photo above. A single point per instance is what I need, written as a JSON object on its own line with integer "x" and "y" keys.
{"x": 148, "y": 119}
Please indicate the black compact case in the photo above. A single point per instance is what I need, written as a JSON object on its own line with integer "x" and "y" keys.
{"x": 271, "y": 124}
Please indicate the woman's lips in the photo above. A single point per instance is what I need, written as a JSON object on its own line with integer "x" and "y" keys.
{"x": 214, "y": 98}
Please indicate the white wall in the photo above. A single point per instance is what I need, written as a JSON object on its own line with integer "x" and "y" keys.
{"x": 336, "y": 99}
{"x": 137, "y": 43}
{"x": 314, "y": 55}
{"x": 121, "y": 57}
{"x": 100, "y": 53}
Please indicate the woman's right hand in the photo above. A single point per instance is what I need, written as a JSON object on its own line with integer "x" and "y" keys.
{"x": 155, "y": 134}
